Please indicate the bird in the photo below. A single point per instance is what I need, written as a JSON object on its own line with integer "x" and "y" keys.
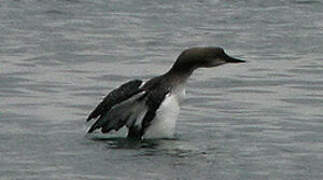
{"x": 150, "y": 109}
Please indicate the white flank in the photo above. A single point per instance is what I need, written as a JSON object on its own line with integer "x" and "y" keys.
{"x": 163, "y": 125}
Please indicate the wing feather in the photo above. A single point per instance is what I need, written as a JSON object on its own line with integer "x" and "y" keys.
{"x": 116, "y": 96}
{"x": 129, "y": 105}
{"x": 120, "y": 114}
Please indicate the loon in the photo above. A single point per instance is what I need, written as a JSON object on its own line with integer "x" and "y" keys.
{"x": 150, "y": 109}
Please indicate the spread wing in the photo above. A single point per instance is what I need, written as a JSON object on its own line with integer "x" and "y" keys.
{"x": 116, "y": 96}
{"x": 122, "y": 95}
{"x": 129, "y": 105}
{"x": 135, "y": 112}
{"x": 124, "y": 113}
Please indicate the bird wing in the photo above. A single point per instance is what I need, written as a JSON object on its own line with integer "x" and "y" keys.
{"x": 124, "y": 113}
{"x": 136, "y": 112}
{"x": 116, "y": 96}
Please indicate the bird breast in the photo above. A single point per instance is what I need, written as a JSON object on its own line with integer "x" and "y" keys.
{"x": 179, "y": 92}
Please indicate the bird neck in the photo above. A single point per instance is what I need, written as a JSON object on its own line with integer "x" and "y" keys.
{"x": 178, "y": 76}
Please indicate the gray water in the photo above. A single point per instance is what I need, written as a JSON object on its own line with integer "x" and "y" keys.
{"x": 258, "y": 120}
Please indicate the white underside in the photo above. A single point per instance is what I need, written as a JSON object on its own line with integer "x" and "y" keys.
{"x": 163, "y": 125}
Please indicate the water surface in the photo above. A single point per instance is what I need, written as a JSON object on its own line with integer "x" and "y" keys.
{"x": 259, "y": 120}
